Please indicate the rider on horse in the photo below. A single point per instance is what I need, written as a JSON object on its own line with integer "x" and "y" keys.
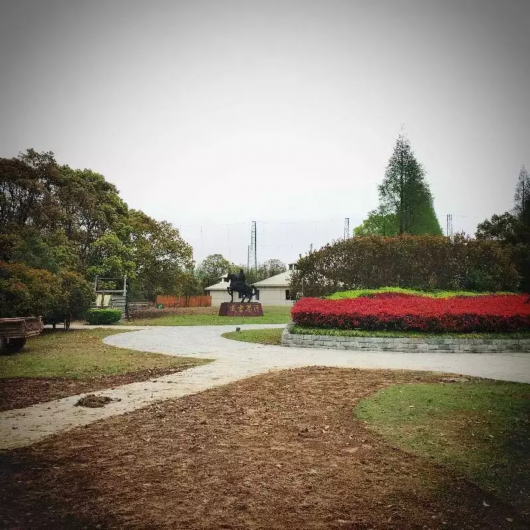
{"x": 240, "y": 278}
{"x": 238, "y": 284}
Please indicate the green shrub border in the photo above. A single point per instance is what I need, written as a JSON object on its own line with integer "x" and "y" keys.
{"x": 103, "y": 316}
{"x": 302, "y": 330}
{"x": 358, "y": 293}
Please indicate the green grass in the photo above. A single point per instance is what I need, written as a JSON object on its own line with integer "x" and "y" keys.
{"x": 271, "y": 336}
{"x": 271, "y": 315}
{"x": 479, "y": 429}
{"x": 82, "y": 355}
{"x": 302, "y": 330}
{"x": 432, "y": 294}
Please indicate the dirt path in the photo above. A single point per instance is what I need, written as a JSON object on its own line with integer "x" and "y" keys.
{"x": 234, "y": 361}
{"x": 278, "y": 451}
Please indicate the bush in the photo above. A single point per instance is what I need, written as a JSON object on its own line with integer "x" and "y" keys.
{"x": 25, "y": 291}
{"x": 103, "y": 316}
{"x": 392, "y": 292}
{"x": 426, "y": 263}
{"x": 75, "y": 298}
{"x": 493, "y": 313}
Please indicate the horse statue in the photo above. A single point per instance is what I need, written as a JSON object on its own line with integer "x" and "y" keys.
{"x": 240, "y": 287}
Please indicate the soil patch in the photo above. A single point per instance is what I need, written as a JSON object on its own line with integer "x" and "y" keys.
{"x": 92, "y": 401}
{"x": 22, "y": 392}
{"x": 281, "y": 450}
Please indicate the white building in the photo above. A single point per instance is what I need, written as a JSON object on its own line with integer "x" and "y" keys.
{"x": 272, "y": 291}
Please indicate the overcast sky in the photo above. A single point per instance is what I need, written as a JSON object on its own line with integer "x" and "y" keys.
{"x": 211, "y": 114}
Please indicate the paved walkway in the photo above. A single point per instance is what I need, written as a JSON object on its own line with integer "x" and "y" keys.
{"x": 233, "y": 361}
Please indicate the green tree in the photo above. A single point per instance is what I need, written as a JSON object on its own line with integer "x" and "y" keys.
{"x": 162, "y": 258}
{"x": 378, "y": 223}
{"x": 513, "y": 229}
{"x": 25, "y": 291}
{"x": 212, "y": 268}
{"x": 505, "y": 227}
{"x": 405, "y": 193}
{"x": 273, "y": 266}
{"x": 63, "y": 219}
{"x": 522, "y": 195}
{"x": 26, "y": 190}
{"x": 74, "y": 298}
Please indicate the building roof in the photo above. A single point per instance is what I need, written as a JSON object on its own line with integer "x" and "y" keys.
{"x": 221, "y": 286}
{"x": 280, "y": 280}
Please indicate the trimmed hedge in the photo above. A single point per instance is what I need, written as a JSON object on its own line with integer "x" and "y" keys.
{"x": 425, "y": 263}
{"x": 391, "y": 292}
{"x": 103, "y": 316}
{"x": 494, "y": 313}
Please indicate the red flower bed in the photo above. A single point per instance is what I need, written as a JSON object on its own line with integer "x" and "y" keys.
{"x": 495, "y": 313}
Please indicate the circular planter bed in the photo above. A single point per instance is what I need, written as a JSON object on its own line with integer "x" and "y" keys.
{"x": 404, "y": 344}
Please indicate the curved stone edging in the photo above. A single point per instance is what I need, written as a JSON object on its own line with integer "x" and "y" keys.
{"x": 419, "y": 345}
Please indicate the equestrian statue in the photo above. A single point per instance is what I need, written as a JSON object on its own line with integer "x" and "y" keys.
{"x": 238, "y": 284}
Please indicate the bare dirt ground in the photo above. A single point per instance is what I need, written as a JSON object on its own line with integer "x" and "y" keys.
{"x": 22, "y": 392}
{"x": 277, "y": 451}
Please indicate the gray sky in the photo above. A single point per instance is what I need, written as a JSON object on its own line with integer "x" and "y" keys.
{"x": 181, "y": 104}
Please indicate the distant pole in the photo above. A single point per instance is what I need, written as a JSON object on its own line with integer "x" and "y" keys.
{"x": 346, "y": 228}
{"x": 450, "y": 227}
{"x": 253, "y": 253}
{"x": 255, "y": 245}
{"x": 311, "y": 247}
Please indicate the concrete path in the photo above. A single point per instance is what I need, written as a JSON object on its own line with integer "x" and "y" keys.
{"x": 233, "y": 361}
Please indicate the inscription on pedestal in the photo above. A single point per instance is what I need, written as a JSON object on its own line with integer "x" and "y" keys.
{"x": 240, "y": 309}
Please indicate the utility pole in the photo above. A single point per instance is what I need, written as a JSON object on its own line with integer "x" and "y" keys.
{"x": 450, "y": 226}
{"x": 347, "y": 228}
{"x": 252, "y": 249}
{"x": 311, "y": 248}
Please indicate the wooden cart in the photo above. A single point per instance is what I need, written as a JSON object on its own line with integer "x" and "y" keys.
{"x": 15, "y": 331}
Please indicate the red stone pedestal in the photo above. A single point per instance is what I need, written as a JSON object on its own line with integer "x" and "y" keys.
{"x": 240, "y": 309}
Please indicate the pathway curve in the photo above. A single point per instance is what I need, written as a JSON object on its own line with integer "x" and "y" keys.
{"x": 233, "y": 361}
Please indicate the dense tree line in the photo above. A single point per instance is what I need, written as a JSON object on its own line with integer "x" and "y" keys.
{"x": 74, "y": 225}
{"x": 512, "y": 229}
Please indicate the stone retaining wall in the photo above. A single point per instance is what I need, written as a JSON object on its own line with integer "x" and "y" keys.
{"x": 404, "y": 344}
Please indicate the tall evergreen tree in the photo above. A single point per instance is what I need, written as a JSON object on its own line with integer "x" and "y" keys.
{"x": 522, "y": 194}
{"x": 405, "y": 192}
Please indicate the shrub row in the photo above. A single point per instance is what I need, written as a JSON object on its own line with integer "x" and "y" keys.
{"x": 103, "y": 316}
{"x": 392, "y": 292}
{"x": 416, "y": 262}
{"x": 493, "y": 313}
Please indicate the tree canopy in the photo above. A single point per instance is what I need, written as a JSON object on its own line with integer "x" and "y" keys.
{"x": 70, "y": 221}
{"x": 378, "y": 223}
{"x": 405, "y": 193}
{"x": 513, "y": 229}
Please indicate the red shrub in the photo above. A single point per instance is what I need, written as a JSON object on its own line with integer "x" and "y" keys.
{"x": 495, "y": 313}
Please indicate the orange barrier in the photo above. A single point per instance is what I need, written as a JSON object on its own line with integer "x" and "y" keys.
{"x": 184, "y": 301}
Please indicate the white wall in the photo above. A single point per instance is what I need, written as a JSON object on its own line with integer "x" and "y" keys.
{"x": 273, "y": 296}
{"x": 221, "y": 296}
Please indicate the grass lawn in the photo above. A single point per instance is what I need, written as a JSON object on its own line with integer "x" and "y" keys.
{"x": 208, "y": 316}
{"x": 261, "y": 336}
{"x": 273, "y": 336}
{"x": 480, "y": 429}
{"x": 80, "y": 354}
{"x": 57, "y": 364}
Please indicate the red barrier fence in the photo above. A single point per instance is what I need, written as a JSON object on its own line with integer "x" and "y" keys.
{"x": 184, "y": 301}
